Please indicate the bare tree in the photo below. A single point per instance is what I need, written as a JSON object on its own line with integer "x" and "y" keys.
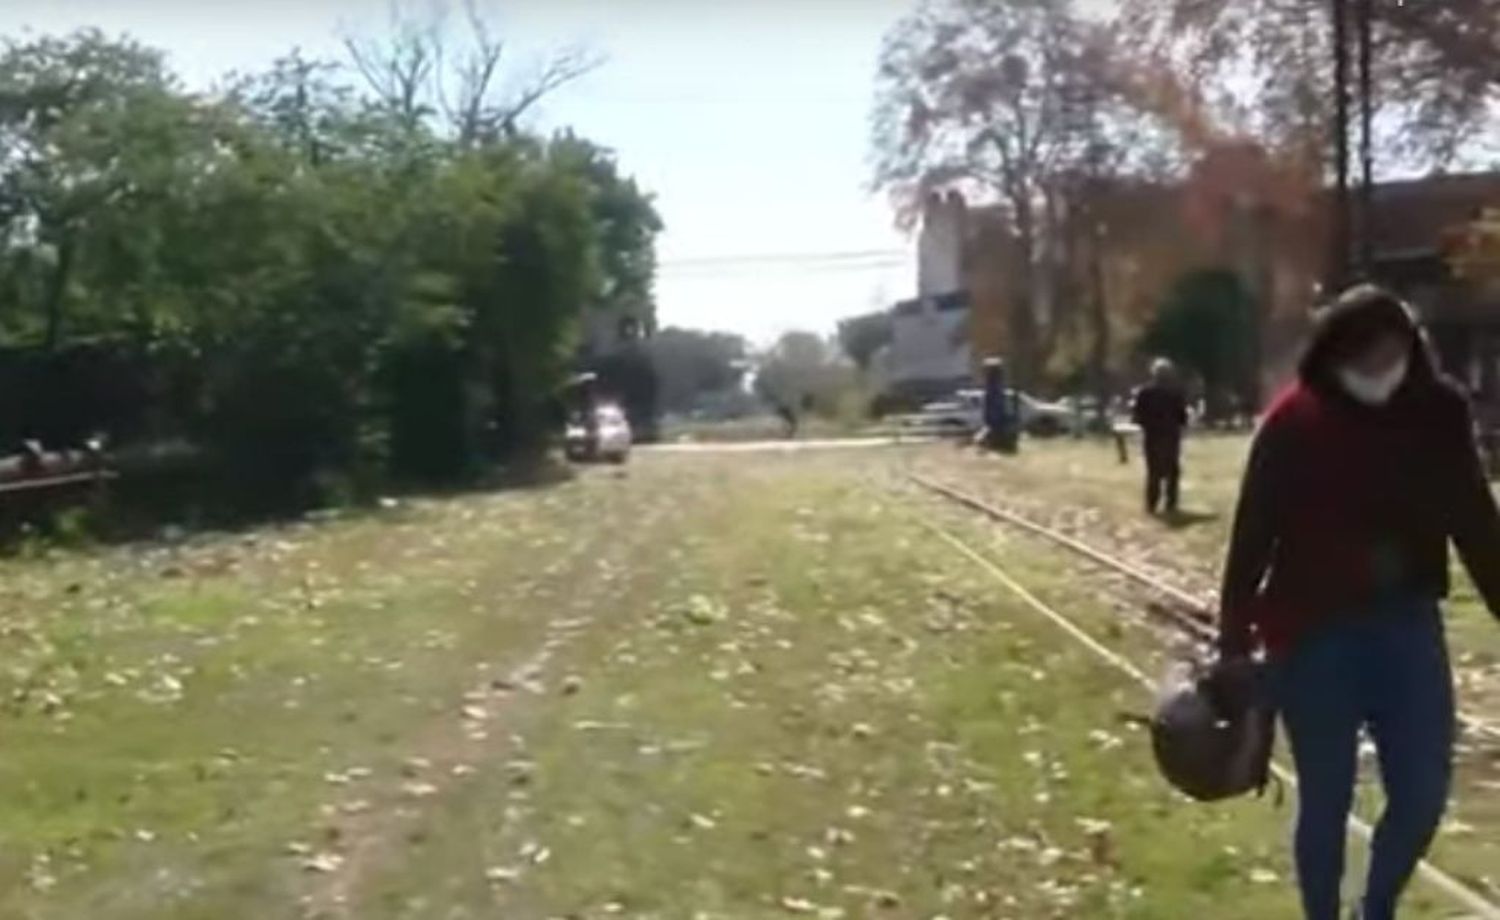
{"x": 560, "y": 70}
{"x": 1021, "y": 100}
{"x": 399, "y": 68}
{"x": 420, "y": 71}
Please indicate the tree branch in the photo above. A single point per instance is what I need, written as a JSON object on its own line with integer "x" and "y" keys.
{"x": 559, "y": 72}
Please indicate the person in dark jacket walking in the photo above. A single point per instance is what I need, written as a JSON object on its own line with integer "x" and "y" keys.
{"x": 1360, "y": 474}
{"x": 1160, "y": 410}
{"x": 788, "y": 414}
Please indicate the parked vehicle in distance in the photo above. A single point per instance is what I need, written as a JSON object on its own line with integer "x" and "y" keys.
{"x": 1089, "y": 420}
{"x": 964, "y": 411}
{"x": 1043, "y": 419}
{"x": 609, "y": 438}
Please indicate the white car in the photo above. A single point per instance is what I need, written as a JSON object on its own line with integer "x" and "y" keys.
{"x": 610, "y": 439}
{"x": 1044, "y": 419}
{"x": 965, "y": 411}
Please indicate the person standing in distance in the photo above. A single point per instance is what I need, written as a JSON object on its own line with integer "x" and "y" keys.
{"x": 1160, "y": 410}
{"x": 1361, "y": 473}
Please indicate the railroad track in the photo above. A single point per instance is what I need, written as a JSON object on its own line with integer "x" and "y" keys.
{"x": 1196, "y": 616}
{"x": 1475, "y": 903}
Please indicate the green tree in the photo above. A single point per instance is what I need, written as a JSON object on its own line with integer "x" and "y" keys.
{"x": 1205, "y": 325}
{"x": 803, "y": 370}
{"x": 94, "y": 137}
{"x": 328, "y": 287}
{"x": 862, "y": 337}
{"x": 691, "y": 364}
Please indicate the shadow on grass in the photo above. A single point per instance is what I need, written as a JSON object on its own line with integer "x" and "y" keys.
{"x": 1181, "y": 520}
{"x": 181, "y": 503}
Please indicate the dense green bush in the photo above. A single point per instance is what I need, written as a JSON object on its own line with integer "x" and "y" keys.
{"x": 336, "y": 288}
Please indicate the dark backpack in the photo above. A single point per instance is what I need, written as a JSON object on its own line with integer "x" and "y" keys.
{"x": 1212, "y": 732}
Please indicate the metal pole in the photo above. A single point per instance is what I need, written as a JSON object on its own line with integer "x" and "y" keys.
{"x": 1338, "y": 268}
{"x": 1366, "y": 143}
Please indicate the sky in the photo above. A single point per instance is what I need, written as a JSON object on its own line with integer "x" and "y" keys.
{"x": 748, "y": 123}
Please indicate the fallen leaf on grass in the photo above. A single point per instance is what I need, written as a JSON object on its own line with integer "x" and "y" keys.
{"x": 413, "y": 767}
{"x": 535, "y": 853}
{"x": 703, "y": 611}
{"x": 323, "y": 863}
{"x": 419, "y": 790}
{"x": 702, "y": 822}
{"x": 837, "y": 836}
{"x": 40, "y": 877}
{"x": 1101, "y": 840}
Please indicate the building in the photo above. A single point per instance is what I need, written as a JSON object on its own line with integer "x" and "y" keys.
{"x": 930, "y": 353}
{"x": 1412, "y": 225}
{"x": 606, "y": 332}
{"x": 1131, "y": 242}
{"x": 613, "y": 347}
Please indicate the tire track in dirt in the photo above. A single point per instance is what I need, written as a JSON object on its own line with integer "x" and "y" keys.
{"x": 370, "y": 831}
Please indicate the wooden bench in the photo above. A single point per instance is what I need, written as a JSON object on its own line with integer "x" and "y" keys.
{"x": 35, "y": 481}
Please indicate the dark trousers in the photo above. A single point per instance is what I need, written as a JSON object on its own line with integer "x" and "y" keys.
{"x": 1385, "y": 670}
{"x": 1163, "y": 473}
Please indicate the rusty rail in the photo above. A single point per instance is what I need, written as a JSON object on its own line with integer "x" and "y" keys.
{"x": 1196, "y": 621}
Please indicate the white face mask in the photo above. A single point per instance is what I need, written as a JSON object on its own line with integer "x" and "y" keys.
{"x": 1375, "y": 390}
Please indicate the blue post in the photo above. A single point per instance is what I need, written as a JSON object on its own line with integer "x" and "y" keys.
{"x": 1002, "y": 415}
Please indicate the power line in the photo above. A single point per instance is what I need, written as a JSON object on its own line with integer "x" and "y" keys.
{"x": 785, "y": 258}
{"x": 781, "y": 268}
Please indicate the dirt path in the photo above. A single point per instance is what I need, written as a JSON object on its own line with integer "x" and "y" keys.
{"x": 368, "y": 830}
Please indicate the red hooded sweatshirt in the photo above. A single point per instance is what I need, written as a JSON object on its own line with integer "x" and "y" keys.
{"x": 1344, "y": 503}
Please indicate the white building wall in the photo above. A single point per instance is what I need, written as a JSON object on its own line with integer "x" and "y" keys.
{"x": 940, "y": 245}
{"x": 929, "y": 343}
{"x": 929, "y": 336}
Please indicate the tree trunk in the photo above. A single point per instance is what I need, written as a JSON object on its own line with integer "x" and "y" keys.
{"x": 1261, "y": 292}
{"x": 1023, "y": 331}
{"x": 1099, "y": 314}
{"x": 57, "y": 290}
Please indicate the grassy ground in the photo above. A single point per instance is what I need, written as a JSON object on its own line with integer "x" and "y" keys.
{"x": 763, "y": 428}
{"x": 1081, "y": 488}
{"x": 704, "y": 686}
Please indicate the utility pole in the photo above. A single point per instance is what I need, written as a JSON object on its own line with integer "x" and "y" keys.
{"x": 1366, "y": 144}
{"x": 1353, "y": 242}
{"x": 1099, "y": 358}
{"x": 1338, "y": 265}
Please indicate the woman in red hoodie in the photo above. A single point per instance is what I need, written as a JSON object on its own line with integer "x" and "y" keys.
{"x": 1360, "y": 475}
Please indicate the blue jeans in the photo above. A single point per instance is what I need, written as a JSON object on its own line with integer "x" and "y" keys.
{"x": 1386, "y": 670}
